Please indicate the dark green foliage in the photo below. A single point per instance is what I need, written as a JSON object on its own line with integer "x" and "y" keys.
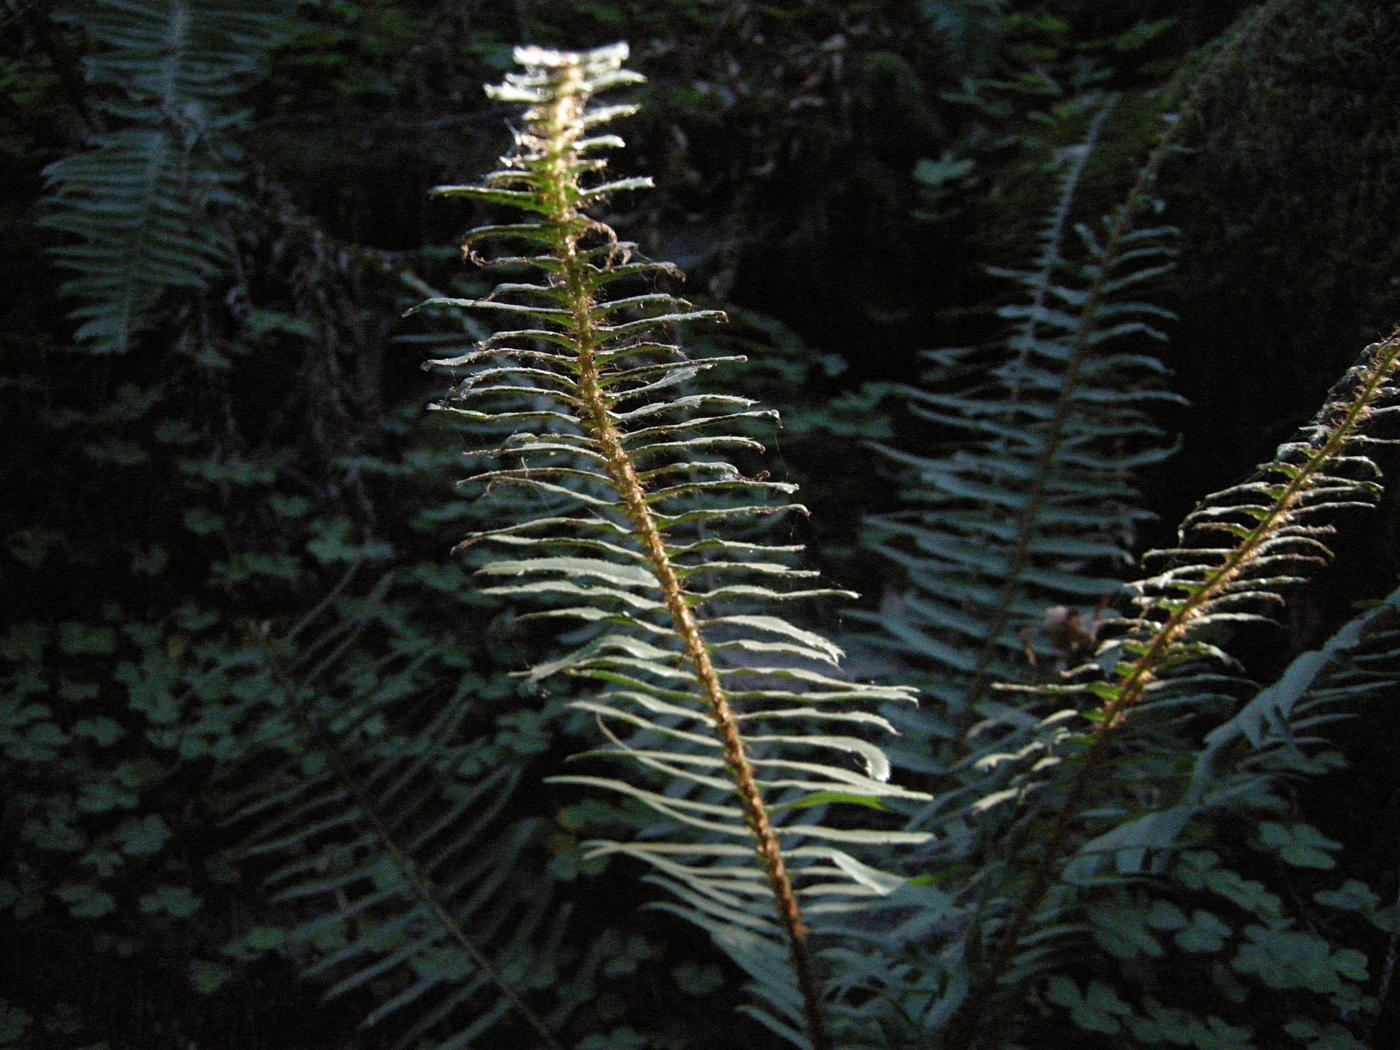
{"x": 1033, "y": 496}
{"x": 1025, "y": 872}
{"x": 143, "y": 199}
{"x": 271, "y": 774}
{"x": 384, "y": 823}
{"x": 1293, "y": 185}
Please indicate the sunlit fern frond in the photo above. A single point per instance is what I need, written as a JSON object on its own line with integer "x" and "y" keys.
{"x": 728, "y": 719}
{"x": 138, "y": 201}
{"x": 1241, "y": 550}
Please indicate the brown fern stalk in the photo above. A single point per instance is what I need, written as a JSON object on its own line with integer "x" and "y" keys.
{"x": 561, "y": 129}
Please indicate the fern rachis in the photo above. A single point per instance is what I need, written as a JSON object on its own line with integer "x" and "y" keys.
{"x": 561, "y": 130}
{"x": 637, "y": 528}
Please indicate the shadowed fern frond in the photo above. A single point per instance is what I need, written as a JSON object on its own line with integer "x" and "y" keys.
{"x": 1029, "y": 503}
{"x": 139, "y": 200}
{"x": 388, "y": 830}
{"x": 728, "y": 720}
{"x": 1016, "y": 526}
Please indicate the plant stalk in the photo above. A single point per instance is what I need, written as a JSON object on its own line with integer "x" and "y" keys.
{"x": 562, "y": 130}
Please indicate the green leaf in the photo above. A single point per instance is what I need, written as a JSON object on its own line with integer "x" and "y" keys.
{"x": 80, "y": 639}
{"x": 204, "y": 522}
{"x": 1205, "y": 934}
{"x": 208, "y": 977}
{"x": 14, "y": 1022}
{"x": 176, "y": 901}
{"x": 332, "y": 544}
{"x": 1353, "y": 895}
{"x": 1120, "y": 929}
{"x": 256, "y": 942}
{"x": 1329, "y": 1037}
{"x": 1300, "y": 845}
{"x": 139, "y": 836}
{"x": 700, "y": 980}
{"x": 105, "y": 795}
{"x": 103, "y": 730}
{"x": 627, "y": 958}
{"x": 1099, "y": 1009}
{"x": 1165, "y": 916}
{"x": 86, "y": 902}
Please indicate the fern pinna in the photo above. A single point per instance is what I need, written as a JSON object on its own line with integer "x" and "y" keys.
{"x": 735, "y": 717}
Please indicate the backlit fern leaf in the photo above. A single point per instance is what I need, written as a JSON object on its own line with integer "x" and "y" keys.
{"x": 138, "y": 201}
{"x": 729, "y": 721}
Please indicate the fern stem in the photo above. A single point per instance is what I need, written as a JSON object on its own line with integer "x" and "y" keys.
{"x": 561, "y": 129}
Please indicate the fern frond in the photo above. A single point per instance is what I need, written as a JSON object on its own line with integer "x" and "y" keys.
{"x": 407, "y": 871}
{"x": 1266, "y": 740}
{"x": 1029, "y": 510}
{"x": 137, "y": 201}
{"x": 1237, "y": 555}
{"x": 1241, "y": 548}
{"x": 1031, "y": 502}
{"x": 729, "y": 721}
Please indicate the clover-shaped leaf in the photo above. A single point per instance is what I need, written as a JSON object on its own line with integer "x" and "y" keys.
{"x": 1163, "y": 1024}
{"x": 1096, "y": 1010}
{"x": 1119, "y": 928}
{"x": 1300, "y": 845}
{"x": 1282, "y": 958}
{"x": 1205, "y": 933}
{"x": 1165, "y": 916}
{"x": 1215, "y": 1034}
{"x": 1353, "y": 895}
{"x": 1200, "y": 870}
